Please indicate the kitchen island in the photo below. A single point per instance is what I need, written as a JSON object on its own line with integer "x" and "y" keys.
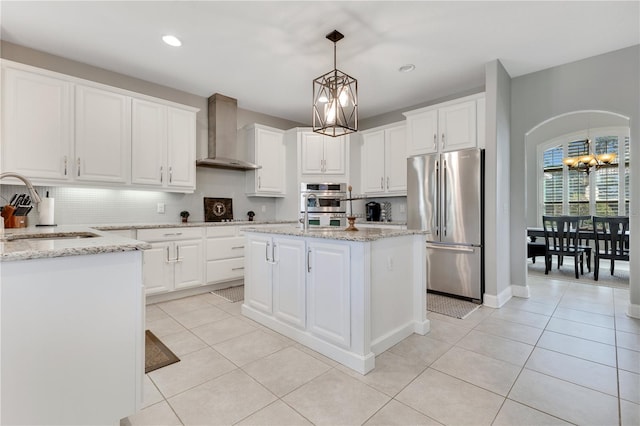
{"x": 349, "y": 295}
{"x": 72, "y": 326}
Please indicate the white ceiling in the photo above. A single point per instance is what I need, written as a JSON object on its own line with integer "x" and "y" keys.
{"x": 266, "y": 54}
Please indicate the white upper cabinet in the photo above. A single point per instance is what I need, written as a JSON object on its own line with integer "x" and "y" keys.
{"x": 265, "y": 147}
{"x": 181, "y": 149}
{"x": 88, "y": 133}
{"x": 384, "y": 161}
{"x": 163, "y": 146}
{"x": 149, "y": 143}
{"x": 323, "y": 155}
{"x": 445, "y": 127}
{"x": 36, "y": 125}
{"x": 103, "y": 135}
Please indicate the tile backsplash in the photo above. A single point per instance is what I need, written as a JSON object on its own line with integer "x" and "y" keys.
{"x": 92, "y": 206}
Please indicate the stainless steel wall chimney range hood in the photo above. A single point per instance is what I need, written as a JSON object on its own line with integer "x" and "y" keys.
{"x": 223, "y": 136}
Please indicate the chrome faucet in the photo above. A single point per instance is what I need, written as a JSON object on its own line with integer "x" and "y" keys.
{"x": 305, "y": 223}
{"x": 32, "y": 191}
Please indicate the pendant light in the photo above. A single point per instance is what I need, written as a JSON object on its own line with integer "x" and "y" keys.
{"x": 335, "y": 99}
{"x": 585, "y": 162}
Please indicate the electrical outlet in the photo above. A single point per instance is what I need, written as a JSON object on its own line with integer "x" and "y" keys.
{"x": 160, "y": 208}
{"x": 263, "y": 208}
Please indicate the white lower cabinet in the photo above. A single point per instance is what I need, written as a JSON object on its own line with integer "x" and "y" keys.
{"x": 289, "y": 295}
{"x": 174, "y": 261}
{"x": 305, "y": 285}
{"x": 275, "y": 269}
{"x": 259, "y": 293}
{"x": 328, "y": 300}
{"x": 225, "y": 254}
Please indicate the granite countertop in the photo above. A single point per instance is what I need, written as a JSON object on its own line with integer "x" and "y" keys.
{"x": 362, "y": 235}
{"x": 40, "y": 242}
{"x": 120, "y": 226}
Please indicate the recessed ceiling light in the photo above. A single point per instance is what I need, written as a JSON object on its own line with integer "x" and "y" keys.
{"x": 172, "y": 40}
{"x": 407, "y": 68}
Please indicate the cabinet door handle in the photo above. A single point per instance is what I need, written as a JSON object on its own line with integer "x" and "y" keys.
{"x": 259, "y": 182}
{"x": 381, "y": 182}
{"x": 309, "y": 260}
{"x": 237, "y": 247}
{"x": 387, "y": 182}
{"x": 178, "y": 254}
{"x": 65, "y": 165}
{"x": 435, "y": 141}
{"x": 171, "y": 234}
{"x": 78, "y": 166}
{"x": 161, "y": 173}
{"x": 170, "y": 174}
{"x": 443, "y": 140}
{"x": 168, "y": 259}
{"x": 266, "y": 252}
{"x": 237, "y": 269}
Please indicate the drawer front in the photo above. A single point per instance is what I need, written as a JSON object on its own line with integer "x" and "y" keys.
{"x": 169, "y": 234}
{"x": 225, "y": 270}
{"x": 222, "y": 231}
{"x": 225, "y": 248}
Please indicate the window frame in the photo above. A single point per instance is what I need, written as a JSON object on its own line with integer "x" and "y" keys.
{"x": 622, "y": 132}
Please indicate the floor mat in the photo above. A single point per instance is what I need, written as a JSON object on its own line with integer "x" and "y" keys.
{"x": 450, "y": 306}
{"x": 156, "y": 354}
{"x": 231, "y": 294}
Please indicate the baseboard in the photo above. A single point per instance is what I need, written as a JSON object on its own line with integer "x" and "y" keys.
{"x": 178, "y": 294}
{"x": 496, "y": 302}
{"x": 520, "y": 291}
{"x": 633, "y": 310}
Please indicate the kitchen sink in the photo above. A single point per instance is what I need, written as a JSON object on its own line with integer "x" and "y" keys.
{"x": 48, "y": 236}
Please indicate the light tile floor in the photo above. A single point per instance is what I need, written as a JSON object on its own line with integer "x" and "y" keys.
{"x": 568, "y": 354}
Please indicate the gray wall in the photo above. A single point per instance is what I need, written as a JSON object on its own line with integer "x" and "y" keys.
{"x": 497, "y": 188}
{"x": 83, "y": 205}
{"x": 608, "y": 82}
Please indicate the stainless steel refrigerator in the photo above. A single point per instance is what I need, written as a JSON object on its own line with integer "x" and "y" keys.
{"x": 445, "y": 197}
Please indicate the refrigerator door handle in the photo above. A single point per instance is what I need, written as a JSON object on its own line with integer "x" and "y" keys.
{"x": 451, "y": 248}
{"x": 445, "y": 219}
{"x": 437, "y": 200}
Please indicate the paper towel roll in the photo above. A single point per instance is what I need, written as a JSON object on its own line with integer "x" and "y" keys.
{"x": 45, "y": 212}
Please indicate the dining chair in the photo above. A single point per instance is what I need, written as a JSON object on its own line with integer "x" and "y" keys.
{"x": 585, "y": 223}
{"x": 561, "y": 239}
{"x": 612, "y": 242}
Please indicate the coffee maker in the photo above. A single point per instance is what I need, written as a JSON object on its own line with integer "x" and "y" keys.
{"x": 373, "y": 211}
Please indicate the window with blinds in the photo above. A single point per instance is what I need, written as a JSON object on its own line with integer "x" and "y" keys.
{"x": 603, "y": 192}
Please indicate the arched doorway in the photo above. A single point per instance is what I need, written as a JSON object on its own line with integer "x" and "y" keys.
{"x": 555, "y": 128}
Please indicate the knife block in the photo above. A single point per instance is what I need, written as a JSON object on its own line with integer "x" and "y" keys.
{"x": 12, "y": 221}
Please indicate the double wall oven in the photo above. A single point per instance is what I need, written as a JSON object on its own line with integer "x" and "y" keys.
{"x": 328, "y": 207}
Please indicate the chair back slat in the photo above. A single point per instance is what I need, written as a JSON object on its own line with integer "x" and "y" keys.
{"x": 611, "y": 236}
{"x": 561, "y": 232}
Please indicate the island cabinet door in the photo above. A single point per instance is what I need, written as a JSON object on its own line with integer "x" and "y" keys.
{"x": 157, "y": 270}
{"x": 289, "y": 281}
{"x": 328, "y": 290}
{"x": 258, "y": 269}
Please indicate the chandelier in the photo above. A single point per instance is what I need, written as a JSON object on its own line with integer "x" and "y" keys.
{"x": 585, "y": 162}
{"x": 335, "y": 99}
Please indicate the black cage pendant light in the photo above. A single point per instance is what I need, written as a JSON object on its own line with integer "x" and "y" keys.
{"x": 335, "y": 99}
